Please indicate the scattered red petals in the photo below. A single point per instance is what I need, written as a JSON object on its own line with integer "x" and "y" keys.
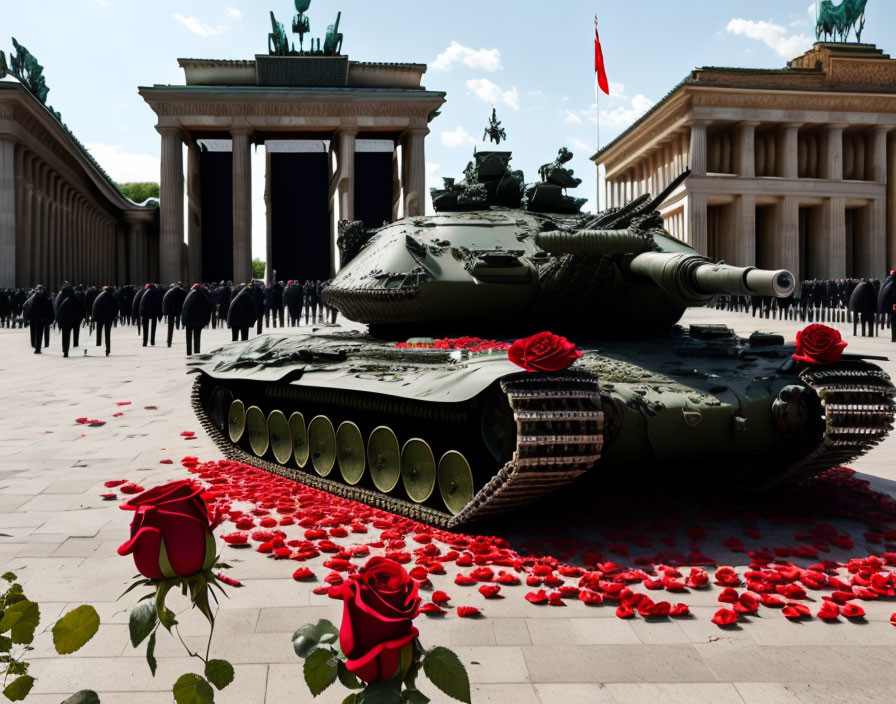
{"x": 228, "y": 580}
{"x": 796, "y": 611}
{"x": 725, "y": 617}
{"x": 302, "y": 573}
{"x": 108, "y": 497}
{"x": 166, "y": 461}
{"x": 431, "y": 610}
{"x": 541, "y": 597}
{"x": 131, "y": 489}
{"x": 467, "y": 611}
{"x": 489, "y": 591}
{"x": 112, "y": 483}
{"x": 852, "y": 611}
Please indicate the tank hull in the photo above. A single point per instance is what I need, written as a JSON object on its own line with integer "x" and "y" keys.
{"x": 752, "y": 418}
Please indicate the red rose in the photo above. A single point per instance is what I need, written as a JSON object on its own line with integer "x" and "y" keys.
{"x": 818, "y": 344}
{"x": 380, "y": 603}
{"x": 171, "y": 534}
{"x": 544, "y": 352}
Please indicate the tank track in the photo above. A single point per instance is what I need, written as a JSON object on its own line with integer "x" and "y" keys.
{"x": 857, "y": 401}
{"x": 559, "y": 436}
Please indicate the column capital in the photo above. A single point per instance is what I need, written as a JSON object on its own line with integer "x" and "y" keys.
{"x": 836, "y": 126}
{"x": 701, "y": 122}
{"x": 886, "y": 129}
{"x": 170, "y": 131}
{"x": 791, "y": 125}
{"x": 748, "y": 124}
{"x": 347, "y": 131}
{"x": 417, "y": 130}
{"x": 241, "y": 131}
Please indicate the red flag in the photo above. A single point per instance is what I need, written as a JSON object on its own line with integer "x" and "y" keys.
{"x": 599, "y": 63}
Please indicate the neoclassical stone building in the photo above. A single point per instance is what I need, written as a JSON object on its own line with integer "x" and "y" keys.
{"x": 332, "y": 129}
{"x": 61, "y": 217}
{"x": 791, "y": 168}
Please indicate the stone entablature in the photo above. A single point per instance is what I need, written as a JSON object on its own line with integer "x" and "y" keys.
{"x": 361, "y": 74}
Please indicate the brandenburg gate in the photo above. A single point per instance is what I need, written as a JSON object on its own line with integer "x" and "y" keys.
{"x": 332, "y": 130}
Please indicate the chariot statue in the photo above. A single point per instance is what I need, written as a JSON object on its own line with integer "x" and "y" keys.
{"x": 836, "y": 21}
{"x": 494, "y": 131}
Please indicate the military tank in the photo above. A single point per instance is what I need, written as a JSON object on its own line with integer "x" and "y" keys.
{"x": 447, "y": 436}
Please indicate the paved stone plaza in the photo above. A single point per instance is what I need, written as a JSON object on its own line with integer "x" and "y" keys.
{"x": 61, "y": 539}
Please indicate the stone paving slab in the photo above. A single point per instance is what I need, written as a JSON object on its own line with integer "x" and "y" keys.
{"x": 61, "y": 538}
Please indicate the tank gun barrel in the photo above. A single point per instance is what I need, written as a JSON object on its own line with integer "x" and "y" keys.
{"x": 697, "y": 280}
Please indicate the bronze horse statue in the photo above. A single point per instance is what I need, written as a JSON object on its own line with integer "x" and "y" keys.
{"x": 838, "y": 20}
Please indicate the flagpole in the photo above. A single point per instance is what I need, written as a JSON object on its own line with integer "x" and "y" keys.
{"x": 597, "y": 124}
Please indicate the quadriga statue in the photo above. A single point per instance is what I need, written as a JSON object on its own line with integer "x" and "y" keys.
{"x": 446, "y": 436}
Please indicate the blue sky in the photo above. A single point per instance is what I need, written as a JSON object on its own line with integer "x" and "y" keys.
{"x": 532, "y": 61}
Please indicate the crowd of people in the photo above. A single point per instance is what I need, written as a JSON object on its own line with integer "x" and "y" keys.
{"x": 241, "y": 307}
{"x": 869, "y": 304}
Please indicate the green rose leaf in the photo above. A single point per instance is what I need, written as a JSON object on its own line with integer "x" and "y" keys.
{"x": 447, "y": 672}
{"x": 73, "y": 630}
{"x": 219, "y": 673}
{"x": 21, "y": 619}
{"x": 18, "y": 689}
{"x": 5, "y": 644}
{"x": 320, "y": 670}
{"x": 85, "y": 696}
{"x": 346, "y": 678}
{"x": 17, "y": 667}
{"x": 413, "y": 696}
{"x": 9, "y": 577}
{"x": 192, "y": 689}
{"x": 351, "y": 699}
{"x": 311, "y": 635}
{"x": 151, "y": 654}
{"x": 142, "y": 621}
{"x": 382, "y": 692}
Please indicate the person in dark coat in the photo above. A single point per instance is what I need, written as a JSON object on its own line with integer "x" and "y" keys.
{"x": 38, "y": 313}
{"x": 69, "y": 313}
{"x": 5, "y": 309}
{"x": 310, "y": 302}
{"x": 258, "y": 292}
{"x": 270, "y": 306}
{"x": 225, "y": 296}
{"x": 863, "y": 305}
{"x": 243, "y": 313}
{"x": 105, "y": 311}
{"x": 886, "y": 301}
{"x": 172, "y": 307}
{"x": 135, "y": 307}
{"x": 150, "y": 312}
{"x": 197, "y": 312}
{"x": 293, "y": 297}
{"x": 278, "y": 301}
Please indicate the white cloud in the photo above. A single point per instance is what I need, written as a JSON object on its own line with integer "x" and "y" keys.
{"x": 490, "y": 92}
{"x": 104, "y": 3}
{"x": 482, "y": 59}
{"x": 772, "y": 35}
{"x": 124, "y": 166}
{"x": 617, "y": 90}
{"x": 571, "y": 118}
{"x": 579, "y": 145}
{"x": 431, "y": 169}
{"x": 234, "y": 13}
{"x": 197, "y": 27}
{"x": 457, "y": 137}
{"x": 624, "y": 115}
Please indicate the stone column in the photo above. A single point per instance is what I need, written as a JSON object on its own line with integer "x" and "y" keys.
{"x": 833, "y": 238}
{"x": 23, "y": 252}
{"x": 7, "y": 214}
{"x": 171, "y": 206}
{"x": 877, "y": 156}
{"x": 697, "y": 149}
{"x": 745, "y": 162}
{"x": 135, "y": 249}
{"x": 891, "y": 200}
{"x": 268, "y": 220}
{"x": 745, "y": 230}
{"x": 870, "y": 245}
{"x": 788, "y": 150}
{"x": 695, "y": 212}
{"x": 413, "y": 174}
{"x": 345, "y": 169}
{"x": 831, "y": 158}
{"x": 396, "y": 186}
{"x": 242, "y": 204}
{"x": 194, "y": 215}
{"x": 786, "y": 236}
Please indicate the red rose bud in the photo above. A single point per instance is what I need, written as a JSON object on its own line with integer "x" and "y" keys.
{"x": 818, "y": 344}
{"x": 171, "y": 532}
{"x": 376, "y": 632}
{"x": 544, "y": 352}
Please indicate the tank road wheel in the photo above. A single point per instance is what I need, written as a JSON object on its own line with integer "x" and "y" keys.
{"x": 322, "y": 441}
{"x": 236, "y": 421}
{"x": 299, "y": 434}
{"x": 219, "y": 406}
{"x": 455, "y": 481}
{"x": 350, "y": 452}
{"x": 384, "y": 456}
{"x": 418, "y": 470}
{"x": 281, "y": 440}
{"x": 257, "y": 430}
